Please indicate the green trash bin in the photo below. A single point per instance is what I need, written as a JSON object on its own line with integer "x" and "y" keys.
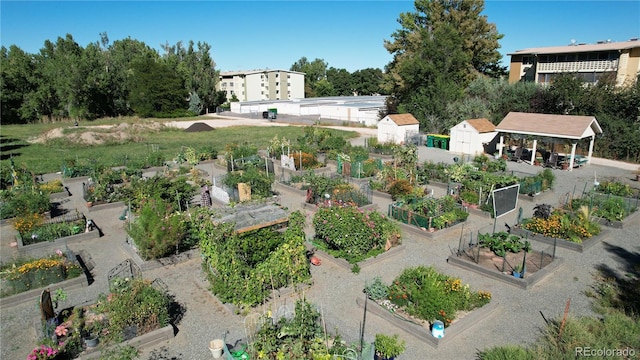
{"x": 444, "y": 144}
{"x": 429, "y": 141}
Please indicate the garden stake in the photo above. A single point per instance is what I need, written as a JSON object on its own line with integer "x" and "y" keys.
{"x": 564, "y": 318}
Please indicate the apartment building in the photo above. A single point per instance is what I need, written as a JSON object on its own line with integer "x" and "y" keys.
{"x": 588, "y": 61}
{"x": 259, "y": 85}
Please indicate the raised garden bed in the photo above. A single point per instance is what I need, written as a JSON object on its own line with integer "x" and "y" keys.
{"x": 140, "y": 342}
{"x": 344, "y": 264}
{"x": 83, "y": 261}
{"x": 105, "y": 205}
{"x": 618, "y": 224}
{"x": 146, "y": 265}
{"x": 50, "y": 246}
{"x": 566, "y": 244}
{"x": 538, "y": 265}
{"x": 33, "y": 294}
{"x": 423, "y": 333}
{"x": 426, "y": 233}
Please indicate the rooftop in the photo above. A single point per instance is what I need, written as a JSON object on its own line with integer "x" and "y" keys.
{"x": 576, "y": 48}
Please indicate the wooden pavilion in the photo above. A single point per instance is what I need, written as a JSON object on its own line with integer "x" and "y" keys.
{"x": 552, "y": 129}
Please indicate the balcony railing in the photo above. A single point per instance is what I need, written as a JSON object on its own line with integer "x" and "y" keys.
{"x": 579, "y": 66}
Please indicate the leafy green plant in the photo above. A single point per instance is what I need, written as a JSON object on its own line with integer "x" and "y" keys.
{"x": 389, "y": 346}
{"x": 376, "y": 290}
{"x": 298, "y": 338}
{"x": 501, "y": 242}
{"x": 158, "y": 230}
{"x": 354, "y": 234}
{"x": 134, "y": 302}
{"x": 355, "y": 268}
{"x": 259, "y": 181}
{"x": 614, "y": 187}
{"x": 428, "y": 295}
{"x": 22, "y": 201}
{"x": 244, "y": 274}
{"x": 470, "y": 196}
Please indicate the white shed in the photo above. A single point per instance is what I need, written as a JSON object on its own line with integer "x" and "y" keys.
{"x": 395, "y": 127}
{"x": 473, "y": 137}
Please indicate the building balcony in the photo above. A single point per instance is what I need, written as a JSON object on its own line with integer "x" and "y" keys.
{"x": 578, "y": 66}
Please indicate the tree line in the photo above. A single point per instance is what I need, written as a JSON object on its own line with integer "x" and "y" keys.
{"x": 445, "y": 69}
{"x": 103, "y": 79}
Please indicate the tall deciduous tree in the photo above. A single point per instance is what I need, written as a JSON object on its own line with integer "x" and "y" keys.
{"x": 341, "y": 81}
{"x": 367, "y": 81}
{"x": 16, "y": 71}
{"x": 315, "y": 71}
{"x": 439, "y": 49}
{"x": 157, "y": 90}
{"x": 121, "y": 55}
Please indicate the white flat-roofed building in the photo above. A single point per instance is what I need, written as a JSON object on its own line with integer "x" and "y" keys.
{"x": 356, "y": 109}
{"x": 259, "y": 85}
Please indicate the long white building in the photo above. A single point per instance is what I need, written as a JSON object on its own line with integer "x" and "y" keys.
{"x": 260, "y": 85}
{"x": 356, "y": 109}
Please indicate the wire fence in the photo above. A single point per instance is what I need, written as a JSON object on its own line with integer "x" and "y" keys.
{"x": 534, "y": 260}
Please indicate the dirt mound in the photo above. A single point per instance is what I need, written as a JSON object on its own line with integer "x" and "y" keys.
{"x": 197, "y": 127}
{"x": 99, "y": 134}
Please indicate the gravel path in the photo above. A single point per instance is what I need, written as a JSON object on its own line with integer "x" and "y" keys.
{"x": 335, "y": 290}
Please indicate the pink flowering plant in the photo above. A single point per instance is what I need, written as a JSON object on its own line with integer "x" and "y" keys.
{"x": 352, "y": 233}
{"x": 43, "y": 352}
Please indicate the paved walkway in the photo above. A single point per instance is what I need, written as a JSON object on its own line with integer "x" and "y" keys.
{"x": 335, "y": 290}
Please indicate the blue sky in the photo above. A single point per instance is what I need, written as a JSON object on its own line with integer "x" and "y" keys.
{"x": 247, "y": 35}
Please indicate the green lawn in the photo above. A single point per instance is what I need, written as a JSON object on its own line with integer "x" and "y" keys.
{"x": 49, "y": 156}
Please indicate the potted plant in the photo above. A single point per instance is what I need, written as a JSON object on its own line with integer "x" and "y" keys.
{"x": 388, "y": 347}
{"x": 518, "y": 271}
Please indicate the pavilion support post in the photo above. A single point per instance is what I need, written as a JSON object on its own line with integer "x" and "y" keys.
{"x": 593, "y": 138}
{"x": 533, "y": 151}
{"x": 501, "y": 146}
{"x": 573, "y": 156}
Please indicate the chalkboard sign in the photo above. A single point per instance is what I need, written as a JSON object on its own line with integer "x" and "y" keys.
{"x": 505, "y": 200}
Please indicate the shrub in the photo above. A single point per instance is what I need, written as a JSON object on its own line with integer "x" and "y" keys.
{"x": 399, "y": 188}
{"x": 353, "y": 233}
{"x": 309, "y": 160}
{"x": 614, "y": 187}
{"x": 157, "y": 230}
{"x": 134, "y": 302}
{"x": 23, "y": 201}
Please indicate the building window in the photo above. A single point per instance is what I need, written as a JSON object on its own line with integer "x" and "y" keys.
{"x": 231, "y": 84}
{"x": 527, "y": 60}
{"x": 261, "y": 92}
{"x": 277, "y": 83}
{"x": 288, "y": 76}
{"x": 288, "y": 84}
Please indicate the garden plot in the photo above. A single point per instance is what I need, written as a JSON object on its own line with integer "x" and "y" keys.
{"x": 421, "y": 300}
{"x": 507, "y": 258}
